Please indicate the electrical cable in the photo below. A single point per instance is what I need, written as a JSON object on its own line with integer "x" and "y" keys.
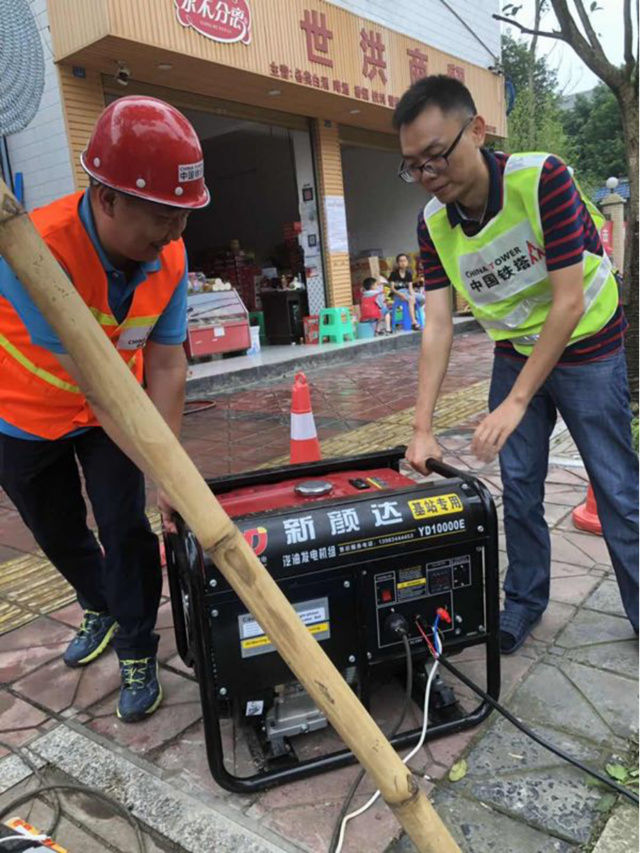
{"x": 194, "y": 407}
{"x": 526, "y": 730}
{"x": 23, "y": 755}
{"x": 396, "y": 728}
{"x": 345, "y": 818}
{"x": 26, "y": 839}
{"x": 405, "y": 760}
{"x": 82, "y": 789}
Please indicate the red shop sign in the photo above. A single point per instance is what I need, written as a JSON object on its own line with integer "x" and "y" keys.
{"x": 606, "y": 234}
{"x": 221, "y": 20}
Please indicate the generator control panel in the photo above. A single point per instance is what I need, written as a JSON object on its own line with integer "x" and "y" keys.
{"x": 419, "y": 589}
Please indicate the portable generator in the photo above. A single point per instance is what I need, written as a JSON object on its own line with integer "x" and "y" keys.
{"x": 354, "y": 545}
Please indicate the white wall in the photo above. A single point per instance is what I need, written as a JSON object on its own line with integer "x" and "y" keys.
{"x": 41, "y": 150}
{"x": 382, "y": 211}
{"x": 430, "y": 21}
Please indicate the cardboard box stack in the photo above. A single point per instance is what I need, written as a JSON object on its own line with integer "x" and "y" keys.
{"x": 239, "y": 270}
{"x": 362, "y": 268}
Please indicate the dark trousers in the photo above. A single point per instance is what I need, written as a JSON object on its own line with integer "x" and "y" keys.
{"x": 593, "y": 399}
{"x": 43, "y": 481}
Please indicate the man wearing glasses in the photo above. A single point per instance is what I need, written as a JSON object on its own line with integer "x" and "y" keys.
{"x": 516, "y": 237}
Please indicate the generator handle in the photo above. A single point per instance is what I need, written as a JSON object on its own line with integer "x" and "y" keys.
{"x": 446, "y": 470}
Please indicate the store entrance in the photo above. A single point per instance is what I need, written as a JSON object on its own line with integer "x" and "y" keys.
{"x": 382, "y": 212}
{"x": 245, "y": 245}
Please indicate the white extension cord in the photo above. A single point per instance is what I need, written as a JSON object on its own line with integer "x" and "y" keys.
{"x": 406, "y": 759}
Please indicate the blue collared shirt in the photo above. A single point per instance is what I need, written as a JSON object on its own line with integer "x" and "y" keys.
{"x": 170, "y": 329}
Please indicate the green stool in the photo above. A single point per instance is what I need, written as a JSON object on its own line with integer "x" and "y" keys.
{"x": 335, "y": 324}
{"x": 259, "y": 316}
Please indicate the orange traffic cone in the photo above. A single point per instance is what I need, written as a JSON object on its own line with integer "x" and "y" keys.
{"x": 585, "y": 516}
{"x": 305, "y": 446}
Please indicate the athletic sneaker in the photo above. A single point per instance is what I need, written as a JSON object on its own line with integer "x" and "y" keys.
{"x": 91, "y": 640}
{"x": 140, "y": 691}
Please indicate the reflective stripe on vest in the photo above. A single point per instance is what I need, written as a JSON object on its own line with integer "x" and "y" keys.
{"x": 502, "y": 271}
{"x": 40, "y": 372}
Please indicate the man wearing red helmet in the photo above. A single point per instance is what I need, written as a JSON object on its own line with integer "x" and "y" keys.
{"x": 120, "y": 244}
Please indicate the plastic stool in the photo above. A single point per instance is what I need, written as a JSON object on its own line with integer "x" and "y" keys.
{"x": 366, "y": 329}
{"x": 405, "y": 317}
{"x": 405, "y": 321}
{"x": 259, "y": 316}
{"x": 335, "y": 324}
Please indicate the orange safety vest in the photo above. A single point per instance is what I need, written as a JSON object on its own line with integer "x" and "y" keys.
{"x": 36, "y": 394}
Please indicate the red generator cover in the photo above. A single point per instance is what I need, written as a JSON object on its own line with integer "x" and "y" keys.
{"x": 299, "y": 491}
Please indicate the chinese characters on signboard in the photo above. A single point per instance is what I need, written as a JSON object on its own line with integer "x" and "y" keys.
{"x": 373, "y": 49}
{"x": 221, "y": 20}
{"x": 230, "y": 21}
{"x": 318, "y": 37}
{"x": 417, "y": 64}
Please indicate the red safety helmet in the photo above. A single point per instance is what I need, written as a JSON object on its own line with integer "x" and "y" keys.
{"x": 145, "y": 147}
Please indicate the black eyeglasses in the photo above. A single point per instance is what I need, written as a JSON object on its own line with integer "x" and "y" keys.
{"x": 434, "y": 165}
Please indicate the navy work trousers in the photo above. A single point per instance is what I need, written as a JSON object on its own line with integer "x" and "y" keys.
{"x": 43, "y": 481}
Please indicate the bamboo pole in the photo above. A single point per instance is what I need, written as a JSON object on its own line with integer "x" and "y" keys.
{"x": 108, "y": 382}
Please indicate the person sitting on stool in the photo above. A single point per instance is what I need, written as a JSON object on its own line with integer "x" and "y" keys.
{"x": 416, "y": 289}
{"x": 401, "y": 280}
{"x": 373, "y": 307}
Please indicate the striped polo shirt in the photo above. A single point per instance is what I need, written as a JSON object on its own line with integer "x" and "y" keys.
{"x": 568, "y": 232}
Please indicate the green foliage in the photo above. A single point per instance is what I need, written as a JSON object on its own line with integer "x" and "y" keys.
{"x": 617, "y": 772}
{"x": 634, "y": 433}
{"x": 595, "y": 126}
{"x": 515, "y": 63}
{"x": 458, "y": 771}
{"x": 535, "y": 124}
{"x": 544, "y": 133}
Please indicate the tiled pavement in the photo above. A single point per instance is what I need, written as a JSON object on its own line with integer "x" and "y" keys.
{"x": 575, "y": 680}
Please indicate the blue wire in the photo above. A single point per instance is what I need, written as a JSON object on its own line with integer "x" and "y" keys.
{"x": 436, "y": 635}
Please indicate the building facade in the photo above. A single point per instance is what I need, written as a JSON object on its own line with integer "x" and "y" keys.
{"x": 292, "y": 98}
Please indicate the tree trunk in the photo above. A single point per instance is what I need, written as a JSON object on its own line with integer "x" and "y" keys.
{"x": 533, "y": 115}
{"x": 628, "y": 100}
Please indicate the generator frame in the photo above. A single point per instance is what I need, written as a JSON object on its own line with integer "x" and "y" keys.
{"x": 188, "y": 588}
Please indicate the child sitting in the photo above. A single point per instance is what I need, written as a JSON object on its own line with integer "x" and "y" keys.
{"x": 373, "y": 307}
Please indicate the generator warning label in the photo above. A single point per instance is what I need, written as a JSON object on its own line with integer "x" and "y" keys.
{"x": 411, "y": 583}
{"x": 314, "y": 614}
{"x": 439, "y": 505}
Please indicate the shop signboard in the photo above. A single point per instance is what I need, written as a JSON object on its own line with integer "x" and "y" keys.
{"x": 606, "y": 235}
{"x": 316, "y": 45}
{"x": 293, "y": 44}
{"x": 221, "y": 20}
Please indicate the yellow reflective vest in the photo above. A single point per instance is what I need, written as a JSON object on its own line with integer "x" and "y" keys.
{"x": 502, "y": 270}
